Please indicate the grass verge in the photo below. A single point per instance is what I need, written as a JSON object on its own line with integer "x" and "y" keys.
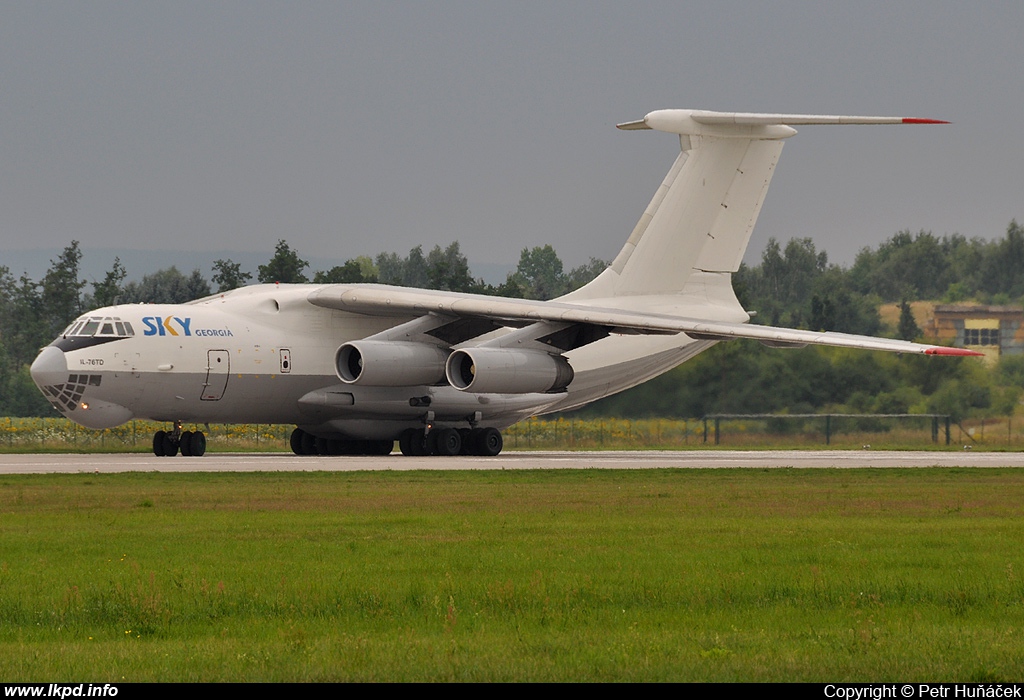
{"x": 61, "y": 435}
{"x": 686, "y": 575}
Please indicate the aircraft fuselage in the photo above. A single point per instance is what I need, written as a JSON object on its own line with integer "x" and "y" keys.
{"x": 266, "y": 355}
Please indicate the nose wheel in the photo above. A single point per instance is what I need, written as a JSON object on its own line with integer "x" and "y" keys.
{"x": 168, "y": 443}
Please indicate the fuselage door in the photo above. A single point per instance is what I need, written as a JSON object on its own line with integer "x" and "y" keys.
{"x": 218, "y": 368}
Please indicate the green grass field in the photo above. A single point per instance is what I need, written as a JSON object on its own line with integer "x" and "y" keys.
{"x": 732, "y": 575}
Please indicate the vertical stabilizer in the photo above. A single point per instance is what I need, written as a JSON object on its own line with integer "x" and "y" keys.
{"x": 705, "y": 218}
{"x": 700, "y": 220}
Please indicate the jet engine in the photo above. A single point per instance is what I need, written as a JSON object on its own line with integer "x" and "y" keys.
{"x": 390, "y": 363}
{"x": 502, "y": 371}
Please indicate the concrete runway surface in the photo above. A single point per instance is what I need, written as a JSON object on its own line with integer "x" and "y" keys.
{"x": 714, "y": 459}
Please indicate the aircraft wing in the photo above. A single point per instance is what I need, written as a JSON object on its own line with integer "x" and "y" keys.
{"x": 399, "y": 301}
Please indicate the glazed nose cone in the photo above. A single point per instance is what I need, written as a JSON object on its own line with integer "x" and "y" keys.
{"x": 50, "y": 367}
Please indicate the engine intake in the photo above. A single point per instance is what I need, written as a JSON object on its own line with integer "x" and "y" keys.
{"x": 390, "y": 363}
{"x": 501, "y": 371}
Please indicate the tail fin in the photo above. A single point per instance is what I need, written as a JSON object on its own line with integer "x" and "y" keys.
{"x": 701, "y": 218}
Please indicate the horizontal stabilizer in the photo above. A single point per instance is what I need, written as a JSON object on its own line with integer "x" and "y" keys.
{"x": 706, "y": 117}
{"x": 699, "y": 121}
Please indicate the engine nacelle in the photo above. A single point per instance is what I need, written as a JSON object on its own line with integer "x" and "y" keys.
{"x": 501, "y": 371}
{"x": 390, "y": 363}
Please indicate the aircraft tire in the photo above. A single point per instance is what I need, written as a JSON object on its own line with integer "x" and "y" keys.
{"x": 447, "y": 442}
{"x": 421, "y": 444}
{"x": 185, "y": 443}
{"x": 405, "y": 442}
{"x": 296, "y": 441}
{"x": 198, "y": 444}
{"x": 158, "y": 443}
{"x": 413, "y": 443}
{"x": 467, "y": 441}
{"x": 308, "y": 444}
{"x": 430, "y": 442}
{"x": 170, "y": 445}
{"x": 488, "y": 442}
{"x": 379, "y": 448}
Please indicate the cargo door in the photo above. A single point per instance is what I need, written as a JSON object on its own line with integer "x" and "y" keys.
{"x": 218, "y": 368}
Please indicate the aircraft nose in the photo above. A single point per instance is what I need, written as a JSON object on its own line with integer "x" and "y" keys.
{"x": 50, "y": 367}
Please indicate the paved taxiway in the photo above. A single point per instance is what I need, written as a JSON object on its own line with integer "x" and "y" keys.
{"x": 721, "y": 459}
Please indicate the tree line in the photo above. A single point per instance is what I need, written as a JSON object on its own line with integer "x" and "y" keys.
{"x": 793, "y": 285}
{"x": 796, "y": 286}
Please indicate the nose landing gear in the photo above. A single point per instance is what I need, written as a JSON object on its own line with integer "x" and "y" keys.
{"x": 167, "y": 444}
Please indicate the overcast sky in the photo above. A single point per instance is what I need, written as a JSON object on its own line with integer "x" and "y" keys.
{"x": 352, "y": 128}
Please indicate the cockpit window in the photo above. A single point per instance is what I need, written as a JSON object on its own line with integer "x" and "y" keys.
{"x": 103, "y": 326}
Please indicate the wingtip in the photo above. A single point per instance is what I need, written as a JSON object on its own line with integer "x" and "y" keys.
{"x": 913, "y": 120}
{"x": 958, "y": 352}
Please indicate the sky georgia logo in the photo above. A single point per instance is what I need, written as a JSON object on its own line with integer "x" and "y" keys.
{"x": 174, "y": 325}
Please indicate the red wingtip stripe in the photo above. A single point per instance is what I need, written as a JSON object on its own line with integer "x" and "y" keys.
{"x": 911, "y": 120}
{"x": 960, "y": 352}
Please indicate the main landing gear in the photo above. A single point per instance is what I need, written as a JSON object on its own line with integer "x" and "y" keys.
{"x": 303, "y": 443}
{"x": 448, "y": 442}
{"x": 190, "y": 443}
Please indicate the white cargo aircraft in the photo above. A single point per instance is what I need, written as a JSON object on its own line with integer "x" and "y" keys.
{"x": 357, "y": 367}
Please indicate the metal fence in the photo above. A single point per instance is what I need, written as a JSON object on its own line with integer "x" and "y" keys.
{"x": 831, "y": 423}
